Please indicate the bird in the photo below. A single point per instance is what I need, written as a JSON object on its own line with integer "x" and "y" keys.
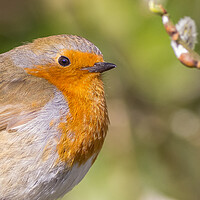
{"x": 53, "y": 116}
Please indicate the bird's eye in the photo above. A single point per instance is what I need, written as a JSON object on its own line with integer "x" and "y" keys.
{"x": 63, "y": 61}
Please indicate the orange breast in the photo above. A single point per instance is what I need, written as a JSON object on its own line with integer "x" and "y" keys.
{"x": 87, "y": 121}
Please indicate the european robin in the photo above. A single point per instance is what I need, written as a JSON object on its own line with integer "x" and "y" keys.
{"x": 53, "y": 116}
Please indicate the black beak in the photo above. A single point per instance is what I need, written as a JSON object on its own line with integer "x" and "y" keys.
{"x": 100, "y": 67}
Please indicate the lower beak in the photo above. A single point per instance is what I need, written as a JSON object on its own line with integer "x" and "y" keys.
{"x": 100, "y": 67}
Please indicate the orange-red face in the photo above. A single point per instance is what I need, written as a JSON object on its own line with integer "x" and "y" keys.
{"x": 67, "y": 63}
{"x": 71, "y": 68}
{"x": 67, "y": 69}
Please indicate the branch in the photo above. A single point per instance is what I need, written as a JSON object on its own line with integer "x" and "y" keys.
{"x": 183, "y": 36}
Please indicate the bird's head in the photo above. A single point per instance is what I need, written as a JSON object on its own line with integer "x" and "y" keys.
{"x": 73, "y": 65}
{"x": 64, "y": 60}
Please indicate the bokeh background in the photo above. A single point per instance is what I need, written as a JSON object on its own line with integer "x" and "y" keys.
{"x": 152, "y": 151}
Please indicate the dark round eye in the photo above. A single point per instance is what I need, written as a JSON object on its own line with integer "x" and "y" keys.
{"x": 63, "y": 61}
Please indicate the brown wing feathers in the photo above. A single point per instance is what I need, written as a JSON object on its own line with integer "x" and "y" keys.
{"x": 21, "y": 95}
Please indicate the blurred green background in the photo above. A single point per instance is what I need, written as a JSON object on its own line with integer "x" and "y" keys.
{"x": 152, "y": 151}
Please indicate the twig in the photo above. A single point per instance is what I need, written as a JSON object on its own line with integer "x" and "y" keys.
{"x": 183, "y": 36}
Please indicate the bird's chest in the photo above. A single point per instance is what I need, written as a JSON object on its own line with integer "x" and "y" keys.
{"x": 41, "y": 174}
{"x": 34, "y": 170}
{"x": 67, "y": 151}
{"x": 50, "y": 154}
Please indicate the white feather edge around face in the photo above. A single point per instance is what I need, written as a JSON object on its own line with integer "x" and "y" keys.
{"x": 25, "y": 172}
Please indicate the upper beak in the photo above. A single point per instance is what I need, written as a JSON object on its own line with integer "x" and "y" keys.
{"x": 100, "y": 67}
